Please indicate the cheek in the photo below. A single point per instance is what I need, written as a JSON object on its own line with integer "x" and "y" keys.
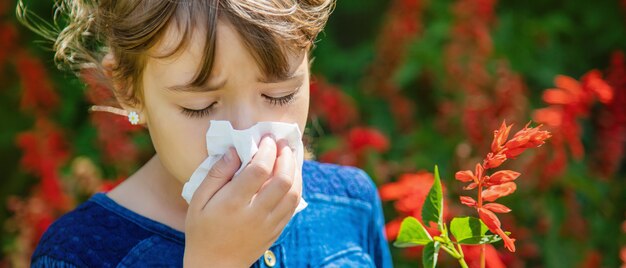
{"x": 178, "y": 141}
{"x": 301, "y": 110}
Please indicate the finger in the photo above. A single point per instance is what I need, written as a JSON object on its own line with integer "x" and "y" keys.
{"x": 285, "y": 209}
{"x": 260, "y": 168}
{"x": 280, "y": 183}
{"x": 279, "y": 225}
{"x": 290, "y": 201}
{"x": 279, "y": 145}
{"x": 221, "y": 172}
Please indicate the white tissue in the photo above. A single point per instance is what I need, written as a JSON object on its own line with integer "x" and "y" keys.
{"x": 221, "y": 136}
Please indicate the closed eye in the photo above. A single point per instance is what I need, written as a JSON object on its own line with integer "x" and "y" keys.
{"x": 284, "y": 100}
{"x": 280, "y": 100}
{"x": 197, "y": 113}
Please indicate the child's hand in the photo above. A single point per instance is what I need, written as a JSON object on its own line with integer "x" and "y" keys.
{"x": 228, "y": 223}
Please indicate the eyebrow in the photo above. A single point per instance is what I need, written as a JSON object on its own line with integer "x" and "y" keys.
{"x": 190, "y": 88}
{"x": 209, "y": 88}
{"x": 273, "y": 80}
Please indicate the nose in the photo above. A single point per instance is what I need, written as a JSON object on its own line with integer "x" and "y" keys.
{"x": 243, "y": 115}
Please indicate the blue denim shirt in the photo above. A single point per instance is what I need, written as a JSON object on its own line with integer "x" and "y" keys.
{"x": 343, "y": 226}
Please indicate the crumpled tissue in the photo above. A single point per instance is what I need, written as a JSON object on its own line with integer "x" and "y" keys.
{"x": 221, "y": 135}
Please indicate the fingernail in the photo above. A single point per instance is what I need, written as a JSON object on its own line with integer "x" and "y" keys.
{"x": 271, "y": 136}
{"x": 229, "y": 155}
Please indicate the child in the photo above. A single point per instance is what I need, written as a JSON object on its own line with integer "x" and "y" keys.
{"x": 173, "y": 66}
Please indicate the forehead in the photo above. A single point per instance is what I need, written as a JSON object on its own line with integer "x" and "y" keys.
{"x": 231, "y": 54}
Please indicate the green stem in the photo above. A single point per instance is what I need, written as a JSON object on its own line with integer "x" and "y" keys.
{"x": 462, "y": 259}
{"x": 462, "y": 262}
{"x": 460, "y": 250}
{"x": 440, "y": 240}
{"x": 480, "y": 205}
{"x": 448, "y": 246}
{"x": 452, "y": 252}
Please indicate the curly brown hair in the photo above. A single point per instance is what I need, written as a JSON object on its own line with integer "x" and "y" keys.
{"x": 270, "y": 29}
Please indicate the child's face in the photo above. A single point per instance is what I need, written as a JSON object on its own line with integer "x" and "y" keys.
{"x": 240, "y": 97}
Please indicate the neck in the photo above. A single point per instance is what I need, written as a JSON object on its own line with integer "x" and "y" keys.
{"x": 154, "y": 193}
{"x": 163, "y": 185}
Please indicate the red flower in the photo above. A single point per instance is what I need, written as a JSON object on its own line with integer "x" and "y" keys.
{"x": 361, "y": 138}
{"x": 468, "y": 175}
{"x": 524, "y": 139}
{"x": 410, "y": 192}
{"x": 44, "y": 152}
{"x": 494, "y": 160}
{"x": 502, "y": 176}
{"x": 392, "y": 229}
{"x": 500, "y": 183}
{"x": 339, "y": 156}
{"x": 465, "y": 176}
{"x": 331, "y": 104}
{"x": 497, "y": 208}
{"x": 8, "y": 41}
{"x": 493, "y": 223}
{"x": 500, "y": 136}
{"x": 114, "y": 138}
{"x": 611, "y": 121}
{"x": 594, "y": 83}
{"x": 468, "y": 201}
{"x": 38, "y": 94}
{"x": 569, "y": 101}
{"x": 492, "y": 259}
{"x": 496, "y": 191}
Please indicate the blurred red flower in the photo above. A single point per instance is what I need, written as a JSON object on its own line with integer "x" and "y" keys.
{"x": 8, "y": 41}
{"x": 331, "y": 104}
{"x": 44, "y": 152}
{"x": 409, "y": 192}
{"x": 38, "y": 94}
{"x": 610, "y": 122}
{"x": 362, "y": 138}
{"x": 569, "y": 101}
{"x": 492, "y": 258}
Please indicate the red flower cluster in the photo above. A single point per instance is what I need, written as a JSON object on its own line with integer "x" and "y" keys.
{"x": 485, "y": 94}
{"x": 500, "y": 183}
{"x": 44, "y": 147}
{"x": 31, "y": 217}
{"x": 8, "y": 41}
{"x": 401, "y": 27}
{"x": 361, "y": 138}
{"x": 332, "y": 105}
{"x": 38, "y": 94}
{"x": 355, "y": 146}
{"x": 569, "y": 101}
{"x": 44, "y": 152}
{"x": 492, "y": 259}
{"x": 611, "y": 121}
{"x": 409, "y": 192}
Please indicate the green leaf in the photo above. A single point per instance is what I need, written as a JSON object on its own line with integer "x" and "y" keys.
{"x": 471, "y": 231}
{"x": 430, "y": 254}
{"x": 467, "y": 227}
{"x": 432, "y": 210}
{"x": 412, "y": 233}
{"x": 485, "y": 239}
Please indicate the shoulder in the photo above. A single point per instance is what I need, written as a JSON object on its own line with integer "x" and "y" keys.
{"x": 342, "y": 220}
{"x": 338, "y": 182}
{"x": 90, "y": 235}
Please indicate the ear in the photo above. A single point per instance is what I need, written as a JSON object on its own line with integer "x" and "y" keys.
{"x": 120, "y": 88}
